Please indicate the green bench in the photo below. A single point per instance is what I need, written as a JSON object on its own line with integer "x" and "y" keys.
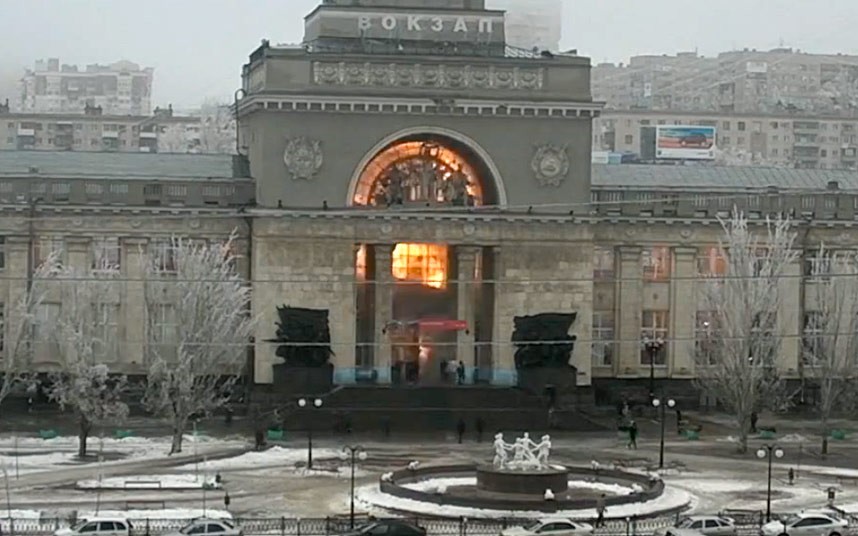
{"x": 275, "y": 434}
{"x": 48, "y": 434}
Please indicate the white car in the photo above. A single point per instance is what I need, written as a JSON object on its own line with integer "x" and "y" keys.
{"x": 707, "y": 525}
{"x": 97, "y": 526}
{"x": 551, "y": 527}
{"x": 806, "y": 524}
{"x": 221, "y": 527}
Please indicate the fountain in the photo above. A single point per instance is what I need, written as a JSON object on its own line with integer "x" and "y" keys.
{"x": 526, "y": 472}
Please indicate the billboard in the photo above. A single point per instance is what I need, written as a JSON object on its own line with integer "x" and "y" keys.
{"x": 685, "y": 142}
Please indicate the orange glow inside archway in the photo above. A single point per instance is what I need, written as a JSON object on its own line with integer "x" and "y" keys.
{"x": 425, "y": 264}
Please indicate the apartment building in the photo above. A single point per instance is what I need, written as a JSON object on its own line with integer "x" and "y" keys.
{"x": 781, "y": 140}
{"x": 120, "y": 88}
{"x": 94, "y": 131}
{"x": 781, "y": 80}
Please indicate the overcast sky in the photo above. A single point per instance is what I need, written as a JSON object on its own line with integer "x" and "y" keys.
{"x": 197, "y": 47}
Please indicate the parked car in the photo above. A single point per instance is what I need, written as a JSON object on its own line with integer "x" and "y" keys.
{"x": 221, "y": 527}
{"x": 388, "y": 527}
{"x": 707, "y": 525}
{"x": 97, "y": 526}
{"x": 806, "y": 524}
{"x": 551, "y": 527}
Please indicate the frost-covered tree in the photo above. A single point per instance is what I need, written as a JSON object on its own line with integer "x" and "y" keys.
{"x": 199, "y": 327}
{"x": 217, "y": 129}
{"x": 739, "y": 368}
{"x": 174, "y": 138}
{"x": 830, "y": 348}
{"x": 17, "y": 367}
{"x": 85, "y": 341}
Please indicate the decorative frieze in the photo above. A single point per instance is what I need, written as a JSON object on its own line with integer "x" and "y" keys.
{"x": 428, "y": 76}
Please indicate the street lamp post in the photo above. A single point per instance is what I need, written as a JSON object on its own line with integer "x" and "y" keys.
{"x": 669, "y": 403}
{"x": 351, "y": 454}
{"x": 770, "y": 451}
{"x": 317, "y": 404}
{"x": 653, "y": 347}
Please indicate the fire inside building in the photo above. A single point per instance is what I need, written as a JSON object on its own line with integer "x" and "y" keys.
{"x": 416, "y": 209}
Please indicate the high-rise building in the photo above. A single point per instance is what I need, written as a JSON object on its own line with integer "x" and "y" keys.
{"x": 532, "y": 24}
{"x": 121, "y": 88}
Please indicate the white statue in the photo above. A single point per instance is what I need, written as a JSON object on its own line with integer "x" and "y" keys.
{"x": 526, "y": 454}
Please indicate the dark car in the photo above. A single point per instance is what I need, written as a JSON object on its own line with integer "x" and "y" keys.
{"x": 389, "y": 527}
{"x": 695, "y": 140}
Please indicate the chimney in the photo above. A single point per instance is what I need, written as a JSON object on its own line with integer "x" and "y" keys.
{"x": 833, "y": 185}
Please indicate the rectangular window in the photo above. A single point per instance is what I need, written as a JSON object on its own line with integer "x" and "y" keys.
{"x": 46, "y": 246}
{"x": 710, "y": 261}
{"x": 603, "y": 264}
{"x": 47, "y": 315}
{"x": 654, "y": 337}
{"x": 725, "y": 125}
{"x": 106, "y": 254}
{"x": 164, "y": 334}
{"x": 629, "y": 139}
{"x": 812, "y": 350}
{"x": 164, "y": 251}
{"x": 656, "y": 263}
{"x": 2, "y": 326}
{"x": 107, "y": 331}
{"x": 705, "y": 334}
{"x": 2, "y": 252}
{"x": 817, "y": 267}
{"x": 741, "y": 126}
{"x": 603, "y": 338}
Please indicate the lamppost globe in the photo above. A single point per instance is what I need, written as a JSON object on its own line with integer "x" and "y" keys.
{"x": 671, "y": 402}
{"x": 344, "y": 455}
{"x": 656, "y": 402}
{"x": 302, "y": 402}
{"x": 779, "y": 453}
{"x": 362, "y": 456}
{"x": 317, "y": 402}
{"x": 761, "y": 453}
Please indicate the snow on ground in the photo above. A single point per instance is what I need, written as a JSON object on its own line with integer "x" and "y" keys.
{"x": 150, "y": 482}
{"x": 434, "y": 484}
{"x": 372, "y": 499}
{"x": 344, "y": 471}
{"x": 273, "y": 457}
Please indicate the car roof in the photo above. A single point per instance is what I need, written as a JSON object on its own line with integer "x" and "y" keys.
{"x": 114, "y": 519}
{"x": 804, "y": 515}
{"x": 555, "y": 520}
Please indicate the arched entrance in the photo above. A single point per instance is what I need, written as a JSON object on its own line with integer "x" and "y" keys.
{"x": 416, "y": 304}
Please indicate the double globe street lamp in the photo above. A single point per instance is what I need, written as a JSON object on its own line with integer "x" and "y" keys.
{"x": 352, "y": 454}
{"x": 770, "y": 451}
{"x": 669, "y": 403}
{"x": 653, "y": 348}
{"x": 304, "y": 403}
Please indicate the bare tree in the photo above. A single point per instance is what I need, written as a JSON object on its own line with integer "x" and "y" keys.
{"x": 739, "y": 368}
{"x": 173, "y": 139}
{"x": 830, "y": 348}
{"x": 199, "y": 327}
{"x": 217, "y": 129}
{"x": 17, "y": 367}
{"x": 85, "y": 340}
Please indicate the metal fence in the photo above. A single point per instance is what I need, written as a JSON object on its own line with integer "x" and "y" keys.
{"x": 747, "y": 522}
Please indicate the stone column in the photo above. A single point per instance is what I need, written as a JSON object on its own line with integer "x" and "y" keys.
{"x": 503, "y": 352}
{"x": 629, "y": 302}
{"x": 466, "y": 258}
{"x": 683, "y": 313}
{"x": 17, "y": 253}
{"x": 383, "y": 310}
{"x": 133, "y": 331}
{"x": 790, "y": 324}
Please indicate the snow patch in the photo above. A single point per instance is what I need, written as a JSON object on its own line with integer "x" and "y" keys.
{"x": 150, "y": 482}
{"x": 273, "y": 457}
{"x": 432, "y": 485}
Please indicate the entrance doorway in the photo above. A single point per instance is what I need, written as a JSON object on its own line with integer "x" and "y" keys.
{"x": 423, "y": 352}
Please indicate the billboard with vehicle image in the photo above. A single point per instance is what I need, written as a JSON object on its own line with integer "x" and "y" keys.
{"x": 685, "y": 142}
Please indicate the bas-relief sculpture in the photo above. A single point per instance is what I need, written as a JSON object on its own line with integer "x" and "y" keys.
{"x": 427, "y": 76}
{"x": 550, "y": 164}
{"x": 303, "y": 157}
{"x": 527, "y": 455}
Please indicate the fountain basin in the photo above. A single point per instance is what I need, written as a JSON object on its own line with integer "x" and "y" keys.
{"x": 508, "y": 481}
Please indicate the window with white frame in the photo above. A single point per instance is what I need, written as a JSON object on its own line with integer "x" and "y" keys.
{"x": 163, "y": 330}
{"x": 654, "y": 329}
{"x": 711, "y": 261}
{"x": 164, "y": 252}
{"x": 817, "y": 267}
{"x": 46, "y": 318}
{"x": 2, "y": 252}
{"x": 812, "y": 340}
{"x": 45, "y": 246}
{"x": 107, "y": 330}
{"x": 106, "y": 254}
{"x": 705, "y": 333}
{"x": 2, "y": 327}
{"x": 603, "y": 338}
{"x": 656, "y": 263}
{"x": 603, "y": 264}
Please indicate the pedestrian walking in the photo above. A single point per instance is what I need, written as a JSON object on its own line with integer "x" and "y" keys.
{"x": 600, "y": 511}
{"x": 754, "y": 418}
{"x": 633, "y": 436}
{"x": 480, "y": 426}
{"x": 460, "y": 430}
{"x": 678, "y": 422}
{"x": 460, "y": 372}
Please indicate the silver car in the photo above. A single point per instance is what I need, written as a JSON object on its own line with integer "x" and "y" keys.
{"x": 706, "y": 525}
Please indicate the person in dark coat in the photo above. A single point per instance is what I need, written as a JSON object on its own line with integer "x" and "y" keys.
{"x": 460, "y": 372}
{"x": 600, "y": 511}
{"x": 754, "y": 418}
{"x": 480, "y": 426}
{"x": 460, "y": 430}
{"x": 633, "y": 436}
